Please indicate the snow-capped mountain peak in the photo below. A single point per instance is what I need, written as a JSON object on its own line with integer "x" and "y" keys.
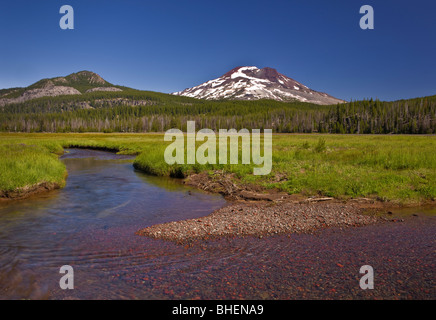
{"x": 252, "y": 83}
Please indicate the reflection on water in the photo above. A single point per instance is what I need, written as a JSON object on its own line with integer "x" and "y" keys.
{"x": 90, "y": 225}
{"x": 421, "y": 211}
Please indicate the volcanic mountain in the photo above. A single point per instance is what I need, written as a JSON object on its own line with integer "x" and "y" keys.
{"x": 252, "y": 83}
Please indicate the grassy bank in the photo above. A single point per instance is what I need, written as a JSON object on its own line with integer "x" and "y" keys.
{"x": 386, "y": 167}
{"x": 24, "y": 166}
{"x": 401, "y": 169}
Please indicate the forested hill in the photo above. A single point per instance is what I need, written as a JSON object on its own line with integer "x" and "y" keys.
{"x": 132, "y": 110}
{"x": 73, "y": 84}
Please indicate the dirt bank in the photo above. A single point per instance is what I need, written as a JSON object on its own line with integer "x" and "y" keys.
{"x": 25, "y": 192}
{"x": 233, "y": 189}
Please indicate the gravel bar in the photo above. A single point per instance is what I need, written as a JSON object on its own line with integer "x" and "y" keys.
{"x": 261, "y": 219}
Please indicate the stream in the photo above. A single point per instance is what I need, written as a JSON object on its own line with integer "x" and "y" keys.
{"x": 91, "y": 223}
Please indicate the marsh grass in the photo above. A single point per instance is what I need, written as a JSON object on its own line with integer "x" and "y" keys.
{"x": 398, "y": 168}
{"x": 24, "y": 165}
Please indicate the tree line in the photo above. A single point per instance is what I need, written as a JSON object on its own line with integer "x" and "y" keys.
{"x": 139, "y": 111}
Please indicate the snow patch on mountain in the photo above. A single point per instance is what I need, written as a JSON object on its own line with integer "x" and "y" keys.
{"x": 252, "y": 83}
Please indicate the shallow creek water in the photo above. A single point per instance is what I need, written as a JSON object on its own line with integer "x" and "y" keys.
{"x": 90, "y": 225}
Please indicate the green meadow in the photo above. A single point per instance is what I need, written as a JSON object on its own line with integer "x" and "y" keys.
{"x": 395, "y": 168}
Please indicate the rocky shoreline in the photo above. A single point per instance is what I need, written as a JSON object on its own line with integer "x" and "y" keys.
{"x": 254, "y": 211}
{"x": 260, "y": 219}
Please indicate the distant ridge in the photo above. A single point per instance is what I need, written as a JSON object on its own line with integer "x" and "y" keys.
{"x": 73, "y": 84}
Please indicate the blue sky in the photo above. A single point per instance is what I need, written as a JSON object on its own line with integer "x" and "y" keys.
{"x": 168, "y": 45}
